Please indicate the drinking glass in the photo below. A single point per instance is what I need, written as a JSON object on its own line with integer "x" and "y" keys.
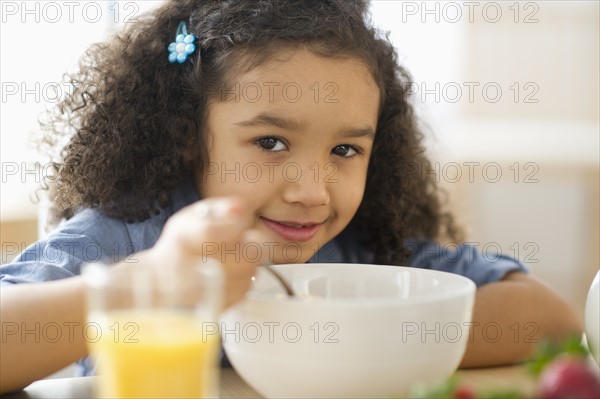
{"x": 154, "y": 331}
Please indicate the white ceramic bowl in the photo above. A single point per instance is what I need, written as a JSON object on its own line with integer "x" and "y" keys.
{"x": 355, "y": 331}
{"x": 592, "y": 318}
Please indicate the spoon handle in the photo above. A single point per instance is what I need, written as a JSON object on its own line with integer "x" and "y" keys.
{"x": 288, "y": 289}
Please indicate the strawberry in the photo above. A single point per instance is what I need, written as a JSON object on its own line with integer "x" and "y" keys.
{"x": 569, "y": 377}
{"x": 464, "y": 393}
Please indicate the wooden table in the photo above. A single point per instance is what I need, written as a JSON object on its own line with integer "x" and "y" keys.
{"x": 232, "y": 386}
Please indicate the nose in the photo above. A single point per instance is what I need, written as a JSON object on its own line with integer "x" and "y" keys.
{"x": 305, "y": 185}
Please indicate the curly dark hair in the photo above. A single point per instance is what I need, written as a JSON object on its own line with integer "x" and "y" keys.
{"x": 132, "y": 117}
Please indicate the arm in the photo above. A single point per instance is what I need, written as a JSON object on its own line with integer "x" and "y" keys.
{"x": 42, "y": 327}
{"x": 43, "y": 324}
{"x": 525, "y": 311}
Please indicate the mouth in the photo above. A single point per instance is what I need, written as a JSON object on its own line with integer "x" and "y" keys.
{"x": 293, "y": 230}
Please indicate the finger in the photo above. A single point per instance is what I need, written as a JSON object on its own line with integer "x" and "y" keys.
{"x": 216, "y": 210}
{"x": 255, "y": 252}
{"x": 208, "y": 223}
{"x": 240, "y": 267}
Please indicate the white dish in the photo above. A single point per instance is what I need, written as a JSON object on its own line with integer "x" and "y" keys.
{"x": 592, "y": 318}
{"x": 354, "y": 331}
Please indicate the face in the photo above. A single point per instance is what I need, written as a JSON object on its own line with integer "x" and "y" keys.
{"x": 293, "y": 140}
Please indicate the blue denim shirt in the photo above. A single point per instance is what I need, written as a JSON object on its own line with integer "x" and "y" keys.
{"x": 90, "y": 236}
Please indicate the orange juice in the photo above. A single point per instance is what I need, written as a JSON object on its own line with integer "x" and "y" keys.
{"x": 156, "y": 354}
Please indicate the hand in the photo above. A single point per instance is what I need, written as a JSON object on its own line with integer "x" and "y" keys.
{"x": 217, "y": 228}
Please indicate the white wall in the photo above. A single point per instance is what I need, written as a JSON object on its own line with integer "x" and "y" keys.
{"x": 39, "y": 41}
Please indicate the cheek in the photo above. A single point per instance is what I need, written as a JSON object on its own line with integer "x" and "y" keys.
{"x": 240, "y": 178}
{"x": 209, "y": 185}
{"x": 219, "y": 180}
{"x": 223, "y": 173}
{"x": 226, "y": 183}
{"x": 348, "y": 194}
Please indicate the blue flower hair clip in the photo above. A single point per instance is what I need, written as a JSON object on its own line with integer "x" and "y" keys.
{"x": 183, "y": 46}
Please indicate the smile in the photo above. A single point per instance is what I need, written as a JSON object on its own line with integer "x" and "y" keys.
{"x": 293, "y": 230}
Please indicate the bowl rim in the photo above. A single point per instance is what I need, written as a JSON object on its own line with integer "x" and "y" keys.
{"x": 467, "y": 289}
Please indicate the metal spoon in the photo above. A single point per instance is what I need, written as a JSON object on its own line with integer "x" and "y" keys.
{"x": 288, "y": 289}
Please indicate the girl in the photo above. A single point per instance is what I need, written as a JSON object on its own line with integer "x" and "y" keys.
{"x": 285, "y": 121}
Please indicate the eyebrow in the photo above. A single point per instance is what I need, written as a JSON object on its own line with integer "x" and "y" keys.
{"x": 367, "y": 132}
{"x": 264, "y": 119}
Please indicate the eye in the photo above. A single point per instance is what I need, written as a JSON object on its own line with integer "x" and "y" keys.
{"x": 345, "y": 151}
{"x": 272, "y": 144}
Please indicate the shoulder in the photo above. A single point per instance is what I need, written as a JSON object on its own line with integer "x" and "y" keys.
{"x": 117, "y": 236}
{"x": 89, "y": 236}
{"x": 464, "y": 259}
{"x": 93, "y": 225}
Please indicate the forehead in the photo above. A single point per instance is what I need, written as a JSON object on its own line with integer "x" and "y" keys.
{"x": 299, "y": 82}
